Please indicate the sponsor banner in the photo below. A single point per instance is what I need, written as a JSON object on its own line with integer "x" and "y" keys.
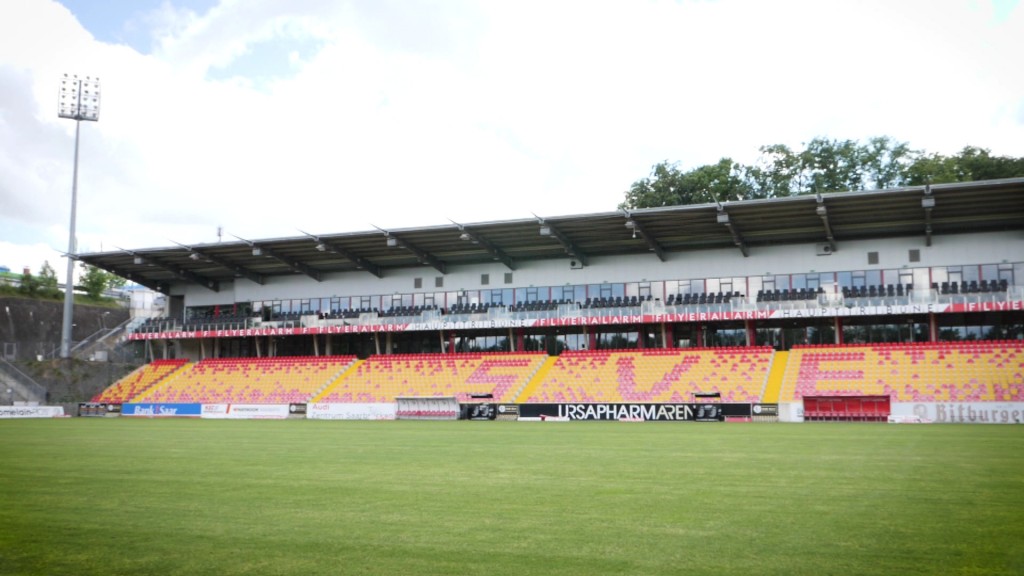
{"x": 250, "y": 332}
{"x": 215, "y": 411}
{"x": 764, "y": 409}
{"x": 351, "y": 411}
{"x": 162, "y": 410}
{"x": 656, "y": 412}
{"x": 961, "y": 412}
{"x": 668, "y": 318}
{"x": 508, "y": 409}
{"x": 297, "y": 409}
{"x": 31, "y": 411}
{"x": 257, "y": 411}
{"x": 894, "y": 419}
{"x": 479, "y": 411}
{"x": 1004, "y": 306}
{"x": 101, "y": 409}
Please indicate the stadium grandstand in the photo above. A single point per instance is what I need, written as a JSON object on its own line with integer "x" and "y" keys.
{"x": 862, "y": 305}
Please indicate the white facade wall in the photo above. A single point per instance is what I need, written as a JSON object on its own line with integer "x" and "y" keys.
{"x": 987, "y": 248}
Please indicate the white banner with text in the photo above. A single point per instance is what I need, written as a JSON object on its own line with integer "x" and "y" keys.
{"x": 31, "y": 411}
{"x": 961, "y": 412}
{"x": 351, "y": 411}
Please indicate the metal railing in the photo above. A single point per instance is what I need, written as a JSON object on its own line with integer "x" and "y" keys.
{"x": 12, "y": 372}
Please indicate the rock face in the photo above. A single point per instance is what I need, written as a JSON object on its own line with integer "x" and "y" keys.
{"x": 30, "y": 329}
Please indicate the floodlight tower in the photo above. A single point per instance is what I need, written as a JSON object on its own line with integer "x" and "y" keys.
{"x": 79, "y": 99}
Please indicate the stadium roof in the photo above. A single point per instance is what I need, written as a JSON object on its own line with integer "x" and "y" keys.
{"x": 831, "y": 219}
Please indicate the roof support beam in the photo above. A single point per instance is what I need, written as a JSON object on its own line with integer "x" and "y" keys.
{"x": 638, "y": 228}
{"x": 822, "y": 212}
{"x": 928, "y": 203}
{"x": 240, "y": 270}
{"x": 295, "y": 264}
{"x": 291, "y": 262}
{"x": 737, "y": 238}
{"x": 548, "y": 229}
{"x": 359, "y": 261}
{"x": 178, "y": 271}
{"x": 495, "y": 252}
{"x": 161, "y": 287}
{"x": 422, "y": 256}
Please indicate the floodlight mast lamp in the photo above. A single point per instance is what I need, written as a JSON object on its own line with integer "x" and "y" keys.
{"x": 79, "y": 99}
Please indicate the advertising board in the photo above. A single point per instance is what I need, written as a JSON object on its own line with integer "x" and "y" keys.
{"x": 634, "y": 412}
{"x": 162, "y": 410}
{"x": 351, "y": 411}
{"x": 31, "y": 411}
{"x": 960, "y": 412}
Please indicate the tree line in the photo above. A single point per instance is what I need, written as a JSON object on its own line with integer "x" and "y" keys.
{"x": 93, "y": 281}
{"x": 822, "y": 165}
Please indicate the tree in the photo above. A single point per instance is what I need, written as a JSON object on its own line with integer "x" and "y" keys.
{"x": 971, "y": 163}
{"x": 47, "y": 286}
{"x": 831, "y": 166}
{"x": 886, "y": 163}
{"x": 668, "y": 186}
{"x": 777, "y": 172}
{"x": 29, "y": 284}
{"x": 822, "y": 166}
{"x": 662, "y": 188}
{"x": 96, "y": 281}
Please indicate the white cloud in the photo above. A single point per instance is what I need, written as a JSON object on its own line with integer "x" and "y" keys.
{"x": 266, "y": 117}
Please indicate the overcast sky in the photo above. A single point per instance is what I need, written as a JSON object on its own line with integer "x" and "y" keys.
{"x": 269, "y": 116}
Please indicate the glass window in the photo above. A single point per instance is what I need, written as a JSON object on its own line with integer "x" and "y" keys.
{"x": 873, "y": 277}
{"x": 844, "y": 279}
{"x": 970, "y": 273}
{"x": 955, "y": 273}
{"x": 798, "y": 281}
{"x": 562, "y": 293}
{"x": 858, "y": 279}
{"x": 739, "y": 284}
{"x": 923, "y": 278}
{"x": 1007, "y": 271}
{"x": 989, "y": 272}
{"x": 906, "y": 276}
{"x": 754, "y": 285}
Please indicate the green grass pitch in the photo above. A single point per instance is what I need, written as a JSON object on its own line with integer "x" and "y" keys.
{"x": 117, "y": 496}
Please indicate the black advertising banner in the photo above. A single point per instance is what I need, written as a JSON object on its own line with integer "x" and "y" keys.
{"x": 98, "y": 409}
{"x": 765, "y": 409}
{"x": 479, "y": 411}
{"x": 651, "y": 412}
{"x": 508, "y": 410}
